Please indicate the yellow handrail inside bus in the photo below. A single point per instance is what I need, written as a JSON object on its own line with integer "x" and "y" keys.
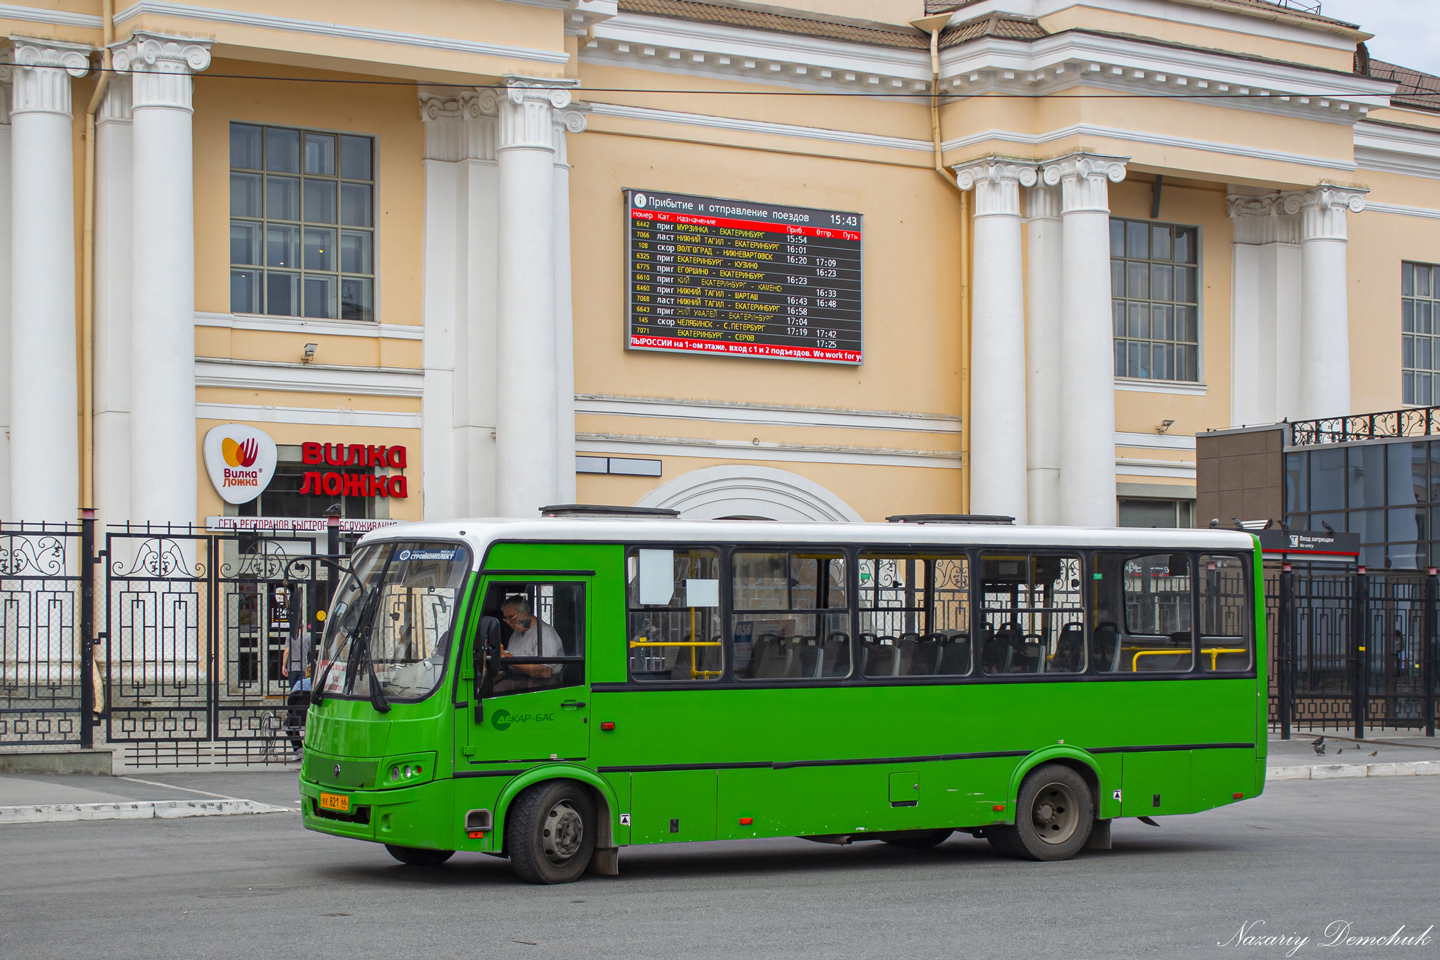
{"x": 1213, "y": 651}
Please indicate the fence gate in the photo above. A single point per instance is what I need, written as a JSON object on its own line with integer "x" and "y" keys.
{"x": 43, "y": 657}
{"x": 195, "y": 624}
{"x": 1351, "y": 650}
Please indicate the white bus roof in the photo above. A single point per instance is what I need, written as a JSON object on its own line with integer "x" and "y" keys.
{"x": 481, "y": 532}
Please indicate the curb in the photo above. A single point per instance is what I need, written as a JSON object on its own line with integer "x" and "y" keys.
{"x": 1347, "y": 771}
{"x": 134, "y": 810}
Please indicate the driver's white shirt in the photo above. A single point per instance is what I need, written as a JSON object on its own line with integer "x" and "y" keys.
{"x": 524, "y": 644}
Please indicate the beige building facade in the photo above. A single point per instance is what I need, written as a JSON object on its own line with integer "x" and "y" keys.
{"x": 406, "y": 228}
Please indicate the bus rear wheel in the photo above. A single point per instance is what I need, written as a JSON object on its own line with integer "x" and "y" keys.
{"x": 1053, "y": 816}
{"x": 550, "y": 832}
{"x": 418, "y": 857}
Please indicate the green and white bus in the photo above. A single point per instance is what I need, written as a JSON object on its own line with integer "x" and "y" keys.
{"x": 554, "y": 690}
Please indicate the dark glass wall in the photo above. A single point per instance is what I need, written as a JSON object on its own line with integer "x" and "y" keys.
{"x": 1386, "y": 491}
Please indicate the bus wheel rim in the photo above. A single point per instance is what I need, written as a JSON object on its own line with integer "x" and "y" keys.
{"x": 563, "y": 833}
{"x": 1055, "y": 813}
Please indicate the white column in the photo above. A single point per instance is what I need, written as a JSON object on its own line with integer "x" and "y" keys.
{"x": 1087, "y": 383}
{"x": 162, "y": 322}
{"x": 4, "y": 297}
{"x": 997, "y": 339}
{"x": 1264, "y": 310}
{"x": 44, "y": 421}
{"x": 1324, "y": 305}
{"x": 114, "y": 179}
{"x": 1043, "y": 278}
{"x": 573, "y": 121}
{"x": 442, "y": 304}
{"x": 459, "y": 302}
{"x": 526, "y": 407}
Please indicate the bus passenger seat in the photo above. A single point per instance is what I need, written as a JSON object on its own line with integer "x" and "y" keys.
{"x": 835, "y": 659}
{"x": 905, "y": 653}
{"x": 1069, "y": 649}
{"x": 927, "y": 655}
{"x": 1105, "y": 646}
{"x": 955, "y": 656}
{"x": 772, "y": 657}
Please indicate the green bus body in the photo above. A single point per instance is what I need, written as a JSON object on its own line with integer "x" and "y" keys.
{"x": 841, "y": 758}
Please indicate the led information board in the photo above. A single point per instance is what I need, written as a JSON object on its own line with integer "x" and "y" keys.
{"x": 742, "y": 279}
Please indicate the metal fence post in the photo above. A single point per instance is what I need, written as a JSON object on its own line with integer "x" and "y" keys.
{"x": 87, "y": 629}
{"x": 1284, "y": 649}
{"x": 1359, "y": 621}
{"x": 1428, "y": 651}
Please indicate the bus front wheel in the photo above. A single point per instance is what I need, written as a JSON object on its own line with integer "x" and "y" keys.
{"x": 1053, "y": 815}
{"x": 550, "y": 832}
{"x": 418, "y": 857}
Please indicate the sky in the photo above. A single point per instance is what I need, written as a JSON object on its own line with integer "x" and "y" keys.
{"x": 1407, "y": 32}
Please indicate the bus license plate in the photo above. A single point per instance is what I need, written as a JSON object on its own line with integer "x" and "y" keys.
{"x": 335, "y": 801}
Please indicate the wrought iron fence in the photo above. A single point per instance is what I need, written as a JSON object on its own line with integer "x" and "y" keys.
{"x": 43, "y": 656}
{"x": 1410, "y": 422}
{"x": 1351, "y": 650}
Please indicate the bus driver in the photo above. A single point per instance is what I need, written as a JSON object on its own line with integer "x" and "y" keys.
{"x": 530, "y": 637}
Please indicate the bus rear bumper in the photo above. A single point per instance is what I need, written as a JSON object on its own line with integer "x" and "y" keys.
{"x": 406, "y": 816}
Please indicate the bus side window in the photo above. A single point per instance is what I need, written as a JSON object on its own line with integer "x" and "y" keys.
{"x": 1224, "y": 616}
{"x": 914, "y": 616}
{"x": 1159, "y": 625}
{"x": 1032, "y": 614}
{"x": 792, "y": 618}
{"x": 672, "y": 600}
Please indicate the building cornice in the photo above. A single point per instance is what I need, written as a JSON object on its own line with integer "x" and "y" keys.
{"x": 1037, "y": 67}
{"x": 1392, "y": 148}
{"x": 340, "y": 31}
{"x": 768, "y": 415}
{"x": 308, "y": 378}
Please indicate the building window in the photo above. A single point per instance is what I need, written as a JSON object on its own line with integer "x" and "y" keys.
{"x": 1145, "y": 512}
{"x": 302, "y": 223}
{"x": 1420, "y": 357}
{"x": 1154, "y": 283}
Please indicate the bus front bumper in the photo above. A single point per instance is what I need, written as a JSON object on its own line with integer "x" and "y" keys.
{"x": 418, "y": 816}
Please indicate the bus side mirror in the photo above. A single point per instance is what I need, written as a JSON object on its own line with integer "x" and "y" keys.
{"x": 486, "y": 654}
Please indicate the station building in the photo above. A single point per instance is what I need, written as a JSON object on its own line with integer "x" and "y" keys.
{"x": 388, "y": 249}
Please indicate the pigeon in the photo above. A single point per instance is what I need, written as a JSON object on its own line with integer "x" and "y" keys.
{"x": 1319, "y": 744}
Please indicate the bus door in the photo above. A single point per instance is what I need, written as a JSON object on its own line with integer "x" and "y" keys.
{"x": 534, "y": 693}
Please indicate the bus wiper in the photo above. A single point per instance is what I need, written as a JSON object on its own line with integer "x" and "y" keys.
{"x": 360, "y": 652}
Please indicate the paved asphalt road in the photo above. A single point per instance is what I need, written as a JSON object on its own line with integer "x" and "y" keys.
{"x": 1302, "y": 856}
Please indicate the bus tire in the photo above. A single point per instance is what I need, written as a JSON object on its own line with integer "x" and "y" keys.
{"x": 1001, "y": 838}
{"x": 550, "y": 832}
{"x": 920, "y": 840}
{"x": 1054, "y": 814}
{"x": 418, "y": 856}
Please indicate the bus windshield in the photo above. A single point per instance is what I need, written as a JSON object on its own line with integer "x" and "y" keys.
{"x": 391, "y": 618}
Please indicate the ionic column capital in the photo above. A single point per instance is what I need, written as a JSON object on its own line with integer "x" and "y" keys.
{"x": 1084, "y": 180}
{"x": 1260, "y": 220}
{"x": 116, "y": 107}
{"x": 526, "y": 112}
{"x": 160, "y": 67}
{"x": 1322, "y": 210}
{"x": 1042, "y": 202}
{"x": 459, "y": 124}
{"x": 572, "y": 119}
{"x": 40, "y": 72}
{"x": 997, "y": 184}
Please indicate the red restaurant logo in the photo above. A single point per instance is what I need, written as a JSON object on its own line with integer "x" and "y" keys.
{"x": 240, "y": 460}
